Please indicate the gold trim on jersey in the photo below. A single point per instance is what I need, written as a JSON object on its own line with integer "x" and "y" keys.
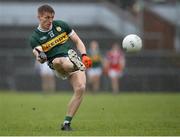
{"x": 60, "y": 39}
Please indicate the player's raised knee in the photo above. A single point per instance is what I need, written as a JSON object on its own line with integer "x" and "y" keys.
{"x": 57, "y": 62}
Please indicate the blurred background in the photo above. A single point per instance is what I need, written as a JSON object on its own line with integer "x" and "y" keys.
{"x": 157, "y": 22}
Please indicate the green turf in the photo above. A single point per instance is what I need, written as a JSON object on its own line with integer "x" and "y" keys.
{"x": 101, "y": 114}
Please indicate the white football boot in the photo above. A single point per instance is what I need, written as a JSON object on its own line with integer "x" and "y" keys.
{"x": 75, "y": 59}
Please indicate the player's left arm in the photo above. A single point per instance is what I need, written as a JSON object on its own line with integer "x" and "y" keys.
{"x": 82, "y": 49}
{"x": 78, "y": 42}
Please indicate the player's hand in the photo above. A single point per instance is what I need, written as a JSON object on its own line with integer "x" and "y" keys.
{"x": 41, "y": 56}
{"x": 86, "y": 61}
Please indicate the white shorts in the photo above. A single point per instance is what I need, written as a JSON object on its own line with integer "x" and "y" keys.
{"x": 45, "y": 70}
{"x": 60, "y": 75}
{"x": 94, "y": 72}
{"x": 112, "y": 73}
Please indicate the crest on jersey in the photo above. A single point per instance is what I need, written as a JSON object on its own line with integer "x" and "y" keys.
{"x": 58, "y": 29}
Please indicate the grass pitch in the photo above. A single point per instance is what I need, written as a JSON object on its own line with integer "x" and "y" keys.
{"x": 129, "y": 114}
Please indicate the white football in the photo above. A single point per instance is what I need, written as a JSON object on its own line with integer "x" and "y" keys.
{"x": 132, "y": 43}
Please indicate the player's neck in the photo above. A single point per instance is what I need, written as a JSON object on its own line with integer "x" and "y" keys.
{"x": 44, "y": 30}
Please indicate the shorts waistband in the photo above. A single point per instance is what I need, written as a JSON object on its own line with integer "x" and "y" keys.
{"x": 50, "y": 59}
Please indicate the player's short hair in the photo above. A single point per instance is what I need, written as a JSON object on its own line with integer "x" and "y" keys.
{"x": 45, "y": 8}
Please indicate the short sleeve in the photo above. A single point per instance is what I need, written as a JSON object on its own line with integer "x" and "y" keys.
{"x": 33, "y": 42}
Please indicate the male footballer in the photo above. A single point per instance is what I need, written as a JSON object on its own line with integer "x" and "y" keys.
{"x": 52, "y": 41}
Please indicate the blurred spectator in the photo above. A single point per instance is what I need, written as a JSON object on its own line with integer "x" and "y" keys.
{"x": 133, "y": 6}
{"x": 126, "y": 4}
{"x": 48, "y": 82}
{"x": 114, "y": 66}
{"x": 95, "y": 72}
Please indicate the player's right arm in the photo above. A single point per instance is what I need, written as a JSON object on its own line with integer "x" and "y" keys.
{"x": 39, "y": 54}
{"x": 38, "y": 51}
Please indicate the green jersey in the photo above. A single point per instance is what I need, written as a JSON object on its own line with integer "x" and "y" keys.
{"x": 55, "y": 42}
{"x": 96, "y": 58}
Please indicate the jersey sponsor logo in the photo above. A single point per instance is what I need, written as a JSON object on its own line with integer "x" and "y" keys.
{"x": 60, "y": 39}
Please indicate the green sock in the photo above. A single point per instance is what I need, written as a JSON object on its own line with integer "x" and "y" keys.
{"x": 67, "y": 119}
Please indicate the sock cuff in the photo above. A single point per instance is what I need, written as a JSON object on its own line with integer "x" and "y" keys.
{"x": 68, "y": 118}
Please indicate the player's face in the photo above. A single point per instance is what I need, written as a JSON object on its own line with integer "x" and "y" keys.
{"x": 45, "y": 20}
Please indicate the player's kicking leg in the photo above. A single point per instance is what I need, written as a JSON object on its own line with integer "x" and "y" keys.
{"x": 76, "y": 60}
